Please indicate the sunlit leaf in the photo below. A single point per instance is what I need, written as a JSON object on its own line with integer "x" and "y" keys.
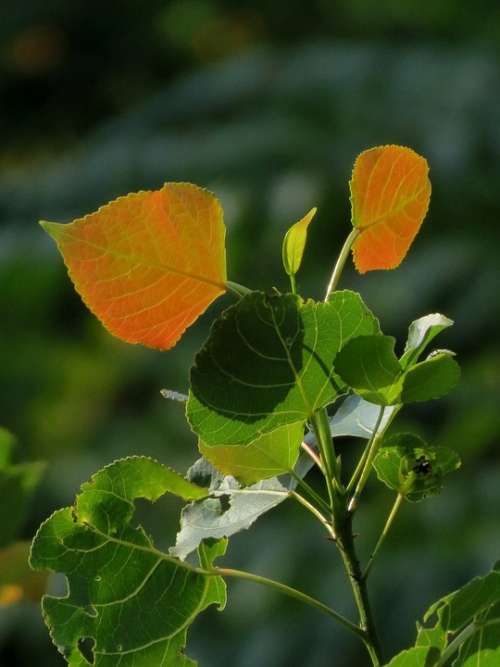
{"x": 433, "y": 378}
{"x": 269, "y": 362}
{"x": 471, "y": 613}
{"x": 272, "y": 454}
{"x": 369, "y": 365}
{"x": 390, "y": 193}
{"x": 417, "y": 656}
{"x": 420, "y": 333}
{"x": 409, "y": 466}
{"x": 294, "y": 243}
{"x": 148, "y": 264}
{"x": 132, "y": 601}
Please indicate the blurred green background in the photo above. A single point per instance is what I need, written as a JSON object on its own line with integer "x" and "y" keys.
{"x": 267, "y": 104}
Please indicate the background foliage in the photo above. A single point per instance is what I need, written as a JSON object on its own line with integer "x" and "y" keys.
{"x": 267, "y": 104}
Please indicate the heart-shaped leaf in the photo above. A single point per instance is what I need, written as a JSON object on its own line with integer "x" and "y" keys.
{"x": 269, "y": 362}
{"x": 390, "y": 193}
{"x": 148, "y": 264}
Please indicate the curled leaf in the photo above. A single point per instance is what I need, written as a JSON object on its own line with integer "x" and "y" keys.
{"x": 148, "y": 264}
{"x": 390, "y": 193}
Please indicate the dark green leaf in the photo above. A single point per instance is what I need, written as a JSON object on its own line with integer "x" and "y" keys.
{"x": 131, "y": 600}
{"x": 272, "y": 454}
{"x": 433, "y": 378}
{"x": 406, "y": 464}
{"x": 420, "y": 334}
{"x": 269, "y": 362}
{"x": 369, "y": 365}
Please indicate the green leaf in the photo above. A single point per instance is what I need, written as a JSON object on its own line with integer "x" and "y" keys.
{"x": 133, "y": 601}
{"x": 369, "y": 365}
{"x": 482, "y": 649}
{"x": 471, "y": 613}
{"x": 406, "y": 464}
{"x": 420, "y": 333}
{"x": 433, "y": 378}
{"x": 269, "y": 362}
{"x": 294, "y": 243}
{"x": 272, "y": 454}
{"x": 415, "y": 657}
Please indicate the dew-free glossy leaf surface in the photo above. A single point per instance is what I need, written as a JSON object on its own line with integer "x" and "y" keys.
{"x": 473, "y": 609}
{"x": 132, "y": 600}
{"x": 148, "y": 264}
{"x": 420, "y": 333}
{"x": 409, "y": 466}
{"x": 390, "y": 193}
{"x": 433, "y": 378}
{"x": 269, "y": 362}
{"x": 369, "y": 365}
{"x": 272, "y": 454}
{"x": 294, "y": 243}
{"x": 414, "y": 657}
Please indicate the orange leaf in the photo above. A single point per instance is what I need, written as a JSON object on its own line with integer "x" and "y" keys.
{"x": 390, "y": 193}
{"x": 148, "y": 264}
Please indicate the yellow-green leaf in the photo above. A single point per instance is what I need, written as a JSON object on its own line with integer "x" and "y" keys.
{"x": 294, "y": 243}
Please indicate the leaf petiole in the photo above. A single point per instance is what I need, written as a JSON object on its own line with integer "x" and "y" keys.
{"x": 286, "y": 590}
{"x": 236, "y": 288}
{"x": 339, "y": 265}
{"x": 372, "y": 449}
{"x": 383, "y": 534}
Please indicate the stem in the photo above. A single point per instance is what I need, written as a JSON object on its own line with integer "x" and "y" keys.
{"x": 372, "y": 449}
{"x": 310, "y": 491}
{"x": 300, "y": 499}
{"x": 293, "y": 284}
{"x": 236, "y": 288}
{"x": 362, "y": 461}
{"x": 325, "y": 443}
{"x": 339, "y": 266}
{"x": 312, "y": 455}
{"x": 345, "y": 543}
{"x": 287, "y": 590}
{"x": 383, "y": 534}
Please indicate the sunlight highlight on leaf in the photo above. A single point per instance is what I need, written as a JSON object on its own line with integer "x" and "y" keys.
{"x": 390, "y": 193}
{"x": 294, "y": 243}
{"x": 148, "y": 264}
